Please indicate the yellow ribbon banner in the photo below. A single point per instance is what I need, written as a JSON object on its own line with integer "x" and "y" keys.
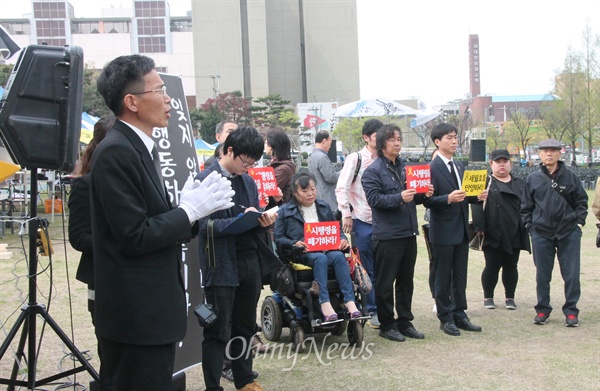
{"x": 473, "y": 182}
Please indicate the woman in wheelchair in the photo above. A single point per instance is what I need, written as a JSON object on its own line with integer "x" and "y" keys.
{"x": 304, "y": 207}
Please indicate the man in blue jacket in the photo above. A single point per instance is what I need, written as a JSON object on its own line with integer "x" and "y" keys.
{"x": 554, "y": 207}
{"x": 395, "y": 227}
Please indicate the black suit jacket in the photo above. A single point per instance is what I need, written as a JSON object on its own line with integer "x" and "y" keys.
{"x": 80, "y": 228}
{"x": 136, "y": 238}
{"x": 448, "y": 222}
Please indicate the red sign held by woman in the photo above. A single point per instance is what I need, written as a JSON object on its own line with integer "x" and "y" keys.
{"x": 322, "y": 236}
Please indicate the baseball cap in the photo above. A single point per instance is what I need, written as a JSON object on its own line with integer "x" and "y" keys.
{"x": 499, "y": 154}
{"x": 550, "y": 143}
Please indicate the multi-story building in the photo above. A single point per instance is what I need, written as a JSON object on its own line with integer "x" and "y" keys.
{"x": 303, "y": 50}
{"x": 307, "y": 51}
{"x": 146, "y": 28}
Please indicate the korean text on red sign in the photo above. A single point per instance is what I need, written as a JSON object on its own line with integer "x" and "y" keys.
{"x": 322, "y": 236}
{"x": 418, "y": 177}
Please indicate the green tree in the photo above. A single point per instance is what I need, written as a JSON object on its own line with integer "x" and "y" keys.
{"x": 554, "y": 120}
{"x": 571, "y": 86}
{"x": 590, "y": 96}
{"x": 349, "y": 132}
{"x": 205, "y": 122}
{"x": 93, "y": 103}
{"x": 274, "y": 111}
{"x": 495, "y": 138}
{"x": 518, "y": 129}
{"x": 5, "y": 71}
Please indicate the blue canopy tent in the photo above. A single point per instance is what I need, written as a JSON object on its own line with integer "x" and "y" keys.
{"x": 203, "y": 148}
{"x": 87, "y": 127}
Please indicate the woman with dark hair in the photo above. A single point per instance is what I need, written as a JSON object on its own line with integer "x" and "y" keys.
{"x": 304, "y": 207}
{"x": 278, "y": 147}
{"x": 80, "y": 220}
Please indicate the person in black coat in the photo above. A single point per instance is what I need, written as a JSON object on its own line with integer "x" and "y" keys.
{"x": 504, "y": 234}
{"x": 395, "y": 230}
{"x": 554, "y": 208}
{"x": 80, "y": 219}
{"x": 449, "y": 220}
{"x": 140, "y": 310}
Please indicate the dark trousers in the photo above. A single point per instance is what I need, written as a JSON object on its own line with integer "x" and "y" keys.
{"x": 494, "y": 261}
{"x": 363, "y": 233}
{"x": 236, "y": 321}
{"x": 395, "y": 264}
{"x": 432, "y": 277}
{"x": 451, "y": 281}
{"x": 569, "y": 260}
{"x": 136, "y": 367}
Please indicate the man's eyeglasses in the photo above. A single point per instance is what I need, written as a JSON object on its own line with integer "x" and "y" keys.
{"x": 246, "y": 164}
{"x": 162, "y": 90}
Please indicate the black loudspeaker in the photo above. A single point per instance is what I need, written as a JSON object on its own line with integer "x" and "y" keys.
{"x": 40, "y": 111}
{"x": 477, "y": 151}
{"x": 332, "y": 153}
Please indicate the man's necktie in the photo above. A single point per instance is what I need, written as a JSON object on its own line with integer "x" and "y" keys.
{"x": 453, "y": 174}
{"x": 156, "y": 161}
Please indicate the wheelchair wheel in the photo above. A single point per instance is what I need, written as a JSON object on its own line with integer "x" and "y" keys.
{"x": 355, "y": 333}
{"x": 297, "y": 334}
{"x": 340, "y": 328}
{"x": 271, "y": 319}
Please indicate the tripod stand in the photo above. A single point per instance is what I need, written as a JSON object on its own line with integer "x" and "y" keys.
{"x": 28, "y": 318}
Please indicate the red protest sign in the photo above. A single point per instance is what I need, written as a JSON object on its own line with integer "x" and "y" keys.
{"x": 418, "y": 177}
{"x": 265, "y": 182}
{"x": 322, "y": 236}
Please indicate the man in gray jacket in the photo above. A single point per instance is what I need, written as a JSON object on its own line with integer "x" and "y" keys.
{"x": 554, "y": 207}
{"x": 321, "y": 167}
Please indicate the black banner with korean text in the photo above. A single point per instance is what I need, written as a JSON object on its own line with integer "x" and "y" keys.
{"x": 178, "y": 161}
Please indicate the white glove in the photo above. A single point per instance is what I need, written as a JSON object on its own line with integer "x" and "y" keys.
{"x": 199, "y": 199}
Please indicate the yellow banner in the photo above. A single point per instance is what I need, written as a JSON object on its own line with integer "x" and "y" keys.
{"x": 473, "y": 182}
{"x": 7, "y": 170}
{"x": 86, "y": 136}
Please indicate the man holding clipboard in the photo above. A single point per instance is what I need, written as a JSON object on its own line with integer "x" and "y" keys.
{"x": 233, "y": 264}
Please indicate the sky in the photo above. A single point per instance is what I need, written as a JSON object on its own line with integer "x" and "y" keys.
{"x": 419, "y": 48}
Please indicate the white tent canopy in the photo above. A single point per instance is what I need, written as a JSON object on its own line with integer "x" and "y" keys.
{"x": 374, "y": 107}
{"x": 424, "y": 116}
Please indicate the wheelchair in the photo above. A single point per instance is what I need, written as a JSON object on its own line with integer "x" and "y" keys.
{"x": 300, "y": 311}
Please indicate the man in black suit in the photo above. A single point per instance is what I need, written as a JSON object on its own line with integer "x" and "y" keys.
{"x": 140, "y": 310}
{"x": 448, "y": 236}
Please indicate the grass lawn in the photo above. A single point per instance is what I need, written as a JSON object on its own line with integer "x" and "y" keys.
{"x": 510, "y": 354}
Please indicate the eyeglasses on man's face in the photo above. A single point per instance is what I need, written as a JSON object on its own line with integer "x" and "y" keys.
{"x": 162, "y": 90}
{"x": 247, "y": 164}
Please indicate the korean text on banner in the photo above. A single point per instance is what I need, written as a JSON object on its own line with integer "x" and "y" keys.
{"x": 265, "y": 182}
{"x": 322, "y": 236}
{"x": 473, "y": 182}
{"x": 418, "y": 177}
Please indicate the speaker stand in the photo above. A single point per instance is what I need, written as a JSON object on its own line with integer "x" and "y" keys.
{"x": 27, "y": 319}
